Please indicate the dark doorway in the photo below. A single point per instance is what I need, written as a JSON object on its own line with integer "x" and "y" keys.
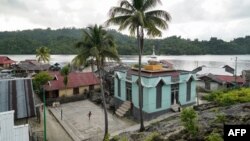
{"x": 128, "y": 92}
{"x": 174, "y": 94}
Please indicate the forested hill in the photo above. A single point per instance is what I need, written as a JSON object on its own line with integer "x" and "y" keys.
{"x": 61, "y": 41}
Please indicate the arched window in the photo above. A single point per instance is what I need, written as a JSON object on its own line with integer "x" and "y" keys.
{"x": 119, "y": 86}
{"x": 188, "y": 98}
{"x": 159, "y": 94}
{"x": 141, "y": 92}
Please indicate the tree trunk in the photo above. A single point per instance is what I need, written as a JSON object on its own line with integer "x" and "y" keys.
{"x": 142, "y": 128}
{"x": 103, "y": 100}
{"x": 92, "y": 65}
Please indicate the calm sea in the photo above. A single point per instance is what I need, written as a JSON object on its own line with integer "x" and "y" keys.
{"x": 185, "y": 62}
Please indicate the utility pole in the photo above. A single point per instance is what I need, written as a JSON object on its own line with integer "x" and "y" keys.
{"x": 44, "y": 116}
{"x": 235, "y": 74}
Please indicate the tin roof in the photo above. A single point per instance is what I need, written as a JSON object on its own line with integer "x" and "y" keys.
{"x": 17, "y": 95}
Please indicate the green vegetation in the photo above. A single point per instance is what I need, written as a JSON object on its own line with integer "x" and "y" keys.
{"x": 100, "y": 46}
{"x": 62, "y": 41}
{"x": 189, "y": 120}
{"x": 220, "y": 118}
{"x": 214, "y": 137}
{"x": 106, "y": 137}
{"x": 154, "y": 136}
{"x": 229, "y": 97}
{"x": 43, "y": 54}
{"x": 41, "y": 79}
{"x": 118, "y": 138}
{"x": 65, "y": 72}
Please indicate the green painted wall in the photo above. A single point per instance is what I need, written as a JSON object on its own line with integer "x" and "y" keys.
{"x": 182, "y": 93}
{"x": 149, "y": 93}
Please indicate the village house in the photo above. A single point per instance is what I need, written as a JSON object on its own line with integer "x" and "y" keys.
{"x": 10, "y": 132}
{"x": 246, "y": 77}
{"x": 29, "y": 67}
{"x": 163, "y": 90}
{"x": 211, "y": 82}
{"x": 6, "y": 62}
{"x": 79, "y": 83}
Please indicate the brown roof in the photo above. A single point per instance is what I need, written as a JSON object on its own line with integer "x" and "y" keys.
{"x": 32, "y": 65}
{"x": 224, "y": 78}
{"x": 75, "y": 79}
{"x": 230, "y": 79}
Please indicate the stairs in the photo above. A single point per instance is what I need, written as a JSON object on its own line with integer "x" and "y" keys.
{"x": 123, "y": 109}
{"x": 175, "y": 107}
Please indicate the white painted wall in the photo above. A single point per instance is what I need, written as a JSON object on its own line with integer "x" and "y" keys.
{"x": 213, "y": 85}
{"x": 10, "y": 132}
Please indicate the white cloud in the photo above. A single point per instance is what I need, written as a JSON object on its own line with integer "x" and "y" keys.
{"x": 226, "y": 19}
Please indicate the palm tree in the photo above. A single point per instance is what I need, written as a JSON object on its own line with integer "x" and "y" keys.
{"x": 97, "y": 45}
{"x": 43, "y": 54}
{"x": 65, "y": 72}
{"x": 137, "y": 17}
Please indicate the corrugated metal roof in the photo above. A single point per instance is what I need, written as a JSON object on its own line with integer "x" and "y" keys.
{"x": 17, "y": 95}
{"x": 9, "y": 132}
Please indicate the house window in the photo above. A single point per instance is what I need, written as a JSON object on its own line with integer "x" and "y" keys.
{"x": 141, "y": 93}
{"x": 174, "y": 94}
{"x": 128, "y": 91}
{"x": 207, "y": 85}
{"x": 188, "y": 98}
{"x": 119, "y": 87}
{"x": 76, "y": 91}
{"x": 91, "y": 87}
{"x": 159, "y": 94}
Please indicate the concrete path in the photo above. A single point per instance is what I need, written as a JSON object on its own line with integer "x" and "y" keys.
{"x": 76, "y": 122}
{"x": 55, "y": 131}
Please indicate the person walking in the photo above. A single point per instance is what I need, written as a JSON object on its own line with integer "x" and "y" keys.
{"x": 89, "y": 114}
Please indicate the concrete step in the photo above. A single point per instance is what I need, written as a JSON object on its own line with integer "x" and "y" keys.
{"x": 127, "y": 103}
{"x": 125, "y": 106}
{"x": 175, "y": 108}
{"x": 123, "y": 109}
{"x": 119, "y": 114}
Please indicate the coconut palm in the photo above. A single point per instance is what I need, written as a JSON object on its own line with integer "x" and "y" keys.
{"x": 43, "y": 54}
{"x": 100, "y": 46}
{"x": 65, "y": 72}
{"x": 138, "y": 17}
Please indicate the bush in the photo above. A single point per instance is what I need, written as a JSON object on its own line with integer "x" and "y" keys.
{"x": 137, "y": 66}
{"x": 155, "y": 136}
{"x": 106, "y": 137}
{"x": 230, "y": 97}
{"x": 220, "y": 118}
{"x": 214, "y": 137}
{"x": 189, "y": 120}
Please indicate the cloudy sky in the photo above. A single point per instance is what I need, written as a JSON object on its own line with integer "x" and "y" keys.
{"x": 225, "y": 19}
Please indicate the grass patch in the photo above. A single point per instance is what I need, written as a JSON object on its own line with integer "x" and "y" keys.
{"x": 229, "y": 97}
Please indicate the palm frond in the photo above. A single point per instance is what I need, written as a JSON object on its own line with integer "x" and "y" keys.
{"x": 117, "y": 20}
{"x": 158, "y": 22}
{"x": 119, "y": 11}
{"x": 159, "y": 13}
{"x": 126, "y": 4}
{"x": 150, "y": 4}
